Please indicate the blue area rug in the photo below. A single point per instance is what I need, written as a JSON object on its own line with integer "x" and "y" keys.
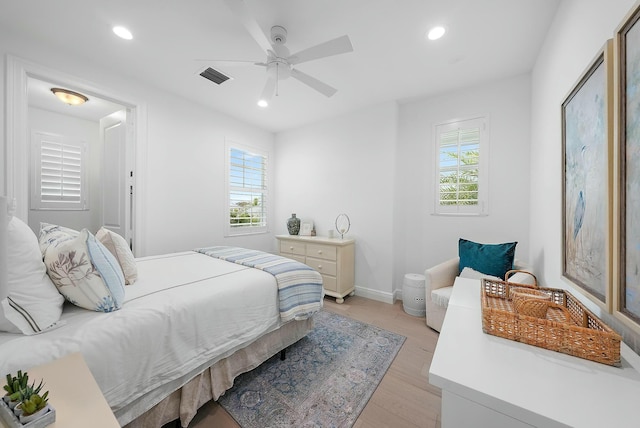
{"x": 325, "y": 381}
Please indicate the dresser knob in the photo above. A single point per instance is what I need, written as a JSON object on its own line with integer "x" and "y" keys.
{"x": 319, "y": 251}
{"x": 291, "y": 248}
{"x": 320, "y": 267}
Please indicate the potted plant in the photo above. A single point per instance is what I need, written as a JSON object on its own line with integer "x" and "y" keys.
{"x": 13, "y": 387}
{"x": 34, "y": 407}
{"x": 25, "y": 394}
{"x": 25, "y": 403}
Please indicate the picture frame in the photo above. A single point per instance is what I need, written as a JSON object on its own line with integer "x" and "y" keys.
{"x": 587, "y": 180}
{"x": 306, "y": 226}
{"x": 627, "y": 171}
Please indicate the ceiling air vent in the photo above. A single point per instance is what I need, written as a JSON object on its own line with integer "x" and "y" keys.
{"x": 214, "y": 75}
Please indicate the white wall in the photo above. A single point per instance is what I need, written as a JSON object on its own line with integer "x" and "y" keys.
{"x": 577, "y": 34}
{"x": 377, "y": 165}
{"x": 184, "y": 182}
{"x": 79, "y": 129}
{"x": 424, "y": 239}
{"x": 345, "y": 165}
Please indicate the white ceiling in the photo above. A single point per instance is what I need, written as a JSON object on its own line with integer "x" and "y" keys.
{"x": 40, "y": 96}
{"x": 392, "y": 60}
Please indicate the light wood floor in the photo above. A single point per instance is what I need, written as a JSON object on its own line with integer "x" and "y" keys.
{"x": 404, "y": 398}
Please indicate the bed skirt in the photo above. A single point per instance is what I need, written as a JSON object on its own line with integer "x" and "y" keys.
{"x": 215, "y": 380}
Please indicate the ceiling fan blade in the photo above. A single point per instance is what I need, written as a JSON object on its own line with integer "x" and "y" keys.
{"x": 230, "y": 62}
{"x": 240, "y": 9}
{"x": 319, "y": 86}
{"x": 269, "y": 89}
{"x": 332, "y": 47}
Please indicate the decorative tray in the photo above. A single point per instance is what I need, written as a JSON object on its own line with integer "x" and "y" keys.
{"x": 567, "y": 326}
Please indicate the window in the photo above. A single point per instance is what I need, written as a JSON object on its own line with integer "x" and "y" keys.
{"x": 58, "y": 173}
{"x": 247, "y": 190}
{"x": 461, "y": 165}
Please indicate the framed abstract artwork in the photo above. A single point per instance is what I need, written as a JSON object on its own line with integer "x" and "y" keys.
{"x": 587, "y": 180}
{"x": 627, "y": 191}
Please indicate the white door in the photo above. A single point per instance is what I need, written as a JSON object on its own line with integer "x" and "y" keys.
{"x": 117, "y": 188}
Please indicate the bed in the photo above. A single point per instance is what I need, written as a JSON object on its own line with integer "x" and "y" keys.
{"x": 189, "y": 324}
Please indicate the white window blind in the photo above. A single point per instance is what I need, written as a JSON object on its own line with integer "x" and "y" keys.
{"x": 461, "y": 161}
{"x": 247, "y": 190}
{"x": 59, "y": 170}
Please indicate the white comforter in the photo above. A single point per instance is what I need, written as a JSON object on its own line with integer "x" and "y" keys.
{"x": 186, "y": 311}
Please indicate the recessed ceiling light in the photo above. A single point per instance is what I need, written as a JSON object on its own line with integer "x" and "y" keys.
{"x": 435, "y": 33}
{"x": 263, "y": 103}
{"x": 123, "y": 33}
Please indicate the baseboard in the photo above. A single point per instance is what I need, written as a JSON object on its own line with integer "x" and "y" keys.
{"x": 381, "y": 296}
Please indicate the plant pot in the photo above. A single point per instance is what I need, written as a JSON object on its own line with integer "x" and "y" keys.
{"x": 26, "y": 419}
{"x": 17, "y": 410}
{"x": 12, "y": 404}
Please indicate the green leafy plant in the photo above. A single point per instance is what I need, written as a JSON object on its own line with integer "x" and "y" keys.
{"x": 28, "y": 391}
{"x": 15, "y": 384}
{"x": 34, "y": 403}
{"x": 18, "y": 389}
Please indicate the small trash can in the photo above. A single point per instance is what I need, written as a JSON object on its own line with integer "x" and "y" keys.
{"x": 413, "y": 297}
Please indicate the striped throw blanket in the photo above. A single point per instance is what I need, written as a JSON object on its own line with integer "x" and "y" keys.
{"x": 299, "y": 286}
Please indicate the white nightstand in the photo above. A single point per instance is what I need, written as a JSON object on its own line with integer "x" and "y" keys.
{"x": 74, "y": 393}
{"x": 334, "y": 258}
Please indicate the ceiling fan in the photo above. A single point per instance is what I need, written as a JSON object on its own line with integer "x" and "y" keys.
{"x": 280, "y": 63}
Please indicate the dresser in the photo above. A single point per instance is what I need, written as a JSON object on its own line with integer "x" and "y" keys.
{"x": 334, "y": 258}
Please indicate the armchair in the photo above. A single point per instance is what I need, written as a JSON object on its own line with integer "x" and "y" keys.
{"x": 439, "y": 281}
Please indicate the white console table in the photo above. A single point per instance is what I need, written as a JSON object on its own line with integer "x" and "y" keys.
{"x": 488, "y": 381}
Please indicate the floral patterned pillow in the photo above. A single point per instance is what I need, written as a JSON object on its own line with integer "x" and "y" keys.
{"x": 52, "y": 234}
{"x": 85, "y": 272}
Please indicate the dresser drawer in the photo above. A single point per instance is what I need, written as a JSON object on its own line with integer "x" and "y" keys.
{"x": 291, "y": 247}
{"x": 301, "y": 259}
{"x": 325, "y": 267}
{"x": 320, "y": 251}
{"x": 329, "y": 283}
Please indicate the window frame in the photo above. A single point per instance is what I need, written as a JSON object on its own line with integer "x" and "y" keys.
{"x": 482, "y": 207}
{"x": 264, "y": 227}
{"x": 36, "y": 201}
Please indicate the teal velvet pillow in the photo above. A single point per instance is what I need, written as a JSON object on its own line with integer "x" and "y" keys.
{"x": 490, "y": 259}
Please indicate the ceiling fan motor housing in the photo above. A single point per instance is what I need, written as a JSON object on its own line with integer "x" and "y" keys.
{"x": 278, "y": 35}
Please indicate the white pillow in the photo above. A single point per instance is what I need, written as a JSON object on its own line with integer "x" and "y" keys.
{"x": 470, "y": 273}
{"x": 85, "y": 272}
{"x": 30, "y": 303}
{"x": 118, "y": 246}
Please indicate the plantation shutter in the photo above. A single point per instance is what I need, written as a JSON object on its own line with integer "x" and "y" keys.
{"x": 248, "y": 191}
{"x": 460, "y": 182}
{"x": 59, "y": 166}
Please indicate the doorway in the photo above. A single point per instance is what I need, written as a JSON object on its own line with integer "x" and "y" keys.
{"x": 114, "y": 140}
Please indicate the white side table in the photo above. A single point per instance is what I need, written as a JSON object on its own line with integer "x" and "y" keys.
{"x": 74, "y": 393}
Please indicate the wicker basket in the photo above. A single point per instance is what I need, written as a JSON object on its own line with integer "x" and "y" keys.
{"x": 566, "y": 327}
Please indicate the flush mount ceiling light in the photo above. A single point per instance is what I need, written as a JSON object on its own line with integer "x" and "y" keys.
{"x": 435, "y": 33}
{"x": 69, "y": 97}
{"x": 263, "y": 103}
{"x": 123, "y": 33}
